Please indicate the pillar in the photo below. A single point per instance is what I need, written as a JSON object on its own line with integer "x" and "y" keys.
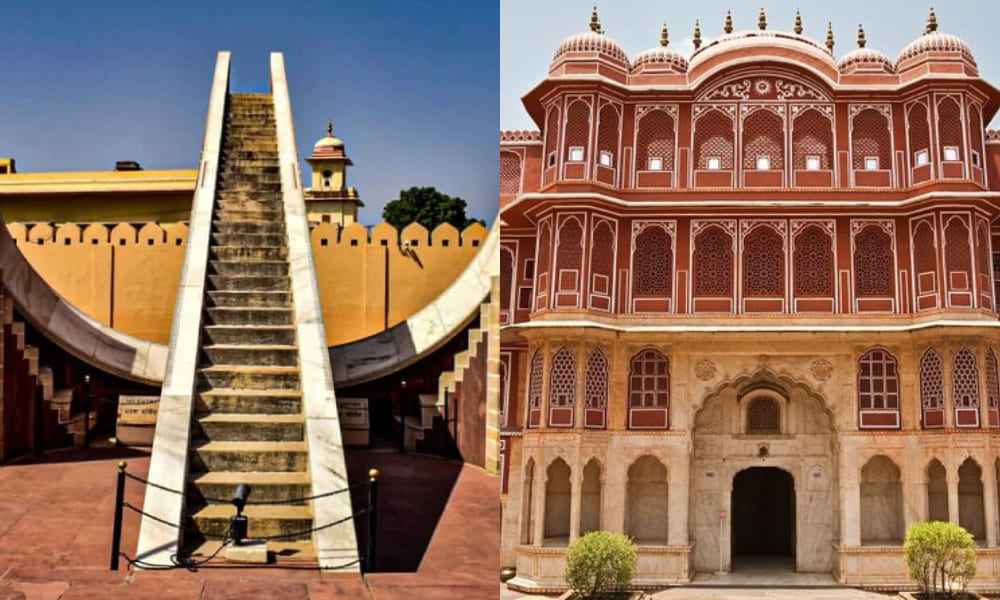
{"x": 575, "y": 499}
{"x": 990, "y": 504}
{"x": 615, "y": 493}
{"x": 951, "y": 477}
{"x": 540, "y": 482}
{"x": 679, "y": 478}
{"x": 914, "y": 487}
{"x": 850, "y": 498}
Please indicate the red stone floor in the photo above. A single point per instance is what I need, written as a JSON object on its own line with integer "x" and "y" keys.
{"x": 55, "y": 536}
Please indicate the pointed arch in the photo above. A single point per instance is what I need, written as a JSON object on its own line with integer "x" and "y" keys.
{"x": 649, "y": 390}
{"x": 557, "y": 503}
{"x": 881, "y": 511}
{"x": 602, "y": 265}
{"x": 591, "y": 492}
{"x": 965, "y": 388}
{"x": 596, "y": 390}
{"x": 931, "y": 390}
{"x": 562, "y": 388}
{"x": 569, "y": 262}
{"x": 535, "y": 390}
{"x": 937, "y": 491}
{"x": 958, "y": 261}
{"x": 652, "y": 269}
{"x": 971, "y": 510}
{"x": 648, "y": 502}
{"x": 878, "y": 390}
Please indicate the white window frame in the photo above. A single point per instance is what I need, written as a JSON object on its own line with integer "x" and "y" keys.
{"x": 953, "y": 149}
{"x": 975, "y": 158}
{"x": 654, "y": 160}
{"x": 572, "y": 151}
{"x": 869, "y": 161}
{"x": 763, "y": 160}
{"x": 606, "y": 159}
{"x": 921, "y": 154}
{"x": 813, "y": 162}
{"x": 551, "y": 162}
{"x": 713, "y": 163}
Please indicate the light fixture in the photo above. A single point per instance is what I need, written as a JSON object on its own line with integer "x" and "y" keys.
{"x": 238, "y": 523}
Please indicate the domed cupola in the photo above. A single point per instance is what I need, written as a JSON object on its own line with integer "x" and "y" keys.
{"x": 865, "y": 61}
{"x": 661, "y": 59}
{"x": 592, "y": 46}
{"x": 935, "y": 48}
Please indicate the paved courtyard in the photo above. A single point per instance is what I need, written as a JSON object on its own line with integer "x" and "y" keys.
{"x": 55, "y": 533}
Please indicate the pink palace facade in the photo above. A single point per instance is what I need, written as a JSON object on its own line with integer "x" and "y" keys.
{"x": 749, "y": 300}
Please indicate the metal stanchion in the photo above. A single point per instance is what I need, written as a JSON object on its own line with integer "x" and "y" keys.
{"x": 116, "y": 533}
{"x": 87, "y": 404}
{"x": 372, "y": 519}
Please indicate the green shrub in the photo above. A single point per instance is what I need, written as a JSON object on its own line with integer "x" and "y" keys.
{"x": 598, "y": 562}
{"x": 939, "y": 556}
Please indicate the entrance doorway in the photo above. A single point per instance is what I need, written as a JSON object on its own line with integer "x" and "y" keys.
{"x": 763, "y": 516}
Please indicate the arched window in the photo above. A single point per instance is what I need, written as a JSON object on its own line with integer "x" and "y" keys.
{"x": 602, "y": 266}
{"x": 965, "y": 388}
{"x": 878, "y": 390}
{"x": 763, "y": 138}
{"x": 813, "y": 257}
{"x": 551, "y": 141}
{"x": 607, "y": 141}
{"x": 812, "y": 143}
{"x": 713, "y": 264}
{"x": 577, "y": 136}
{"x": 646, "y": 517}
{"x": 655, "y": 141}
{"x": 919, "y": 138}
{"x": 763, "y": 416}
{"x": 925, "y": 265}
{"x": 562, "y": 388}
{"x": 931, "y": 391}
{"x": 714, "y": 148}
{"x": 984, "y": 267}
{"x": 557, "y": 504}
{"x": 871, "y": 148}
{"x": 937, "y": 492}
{"x": 958, "y": 262}
{"x": 992, "y": 390}
{"x": 763, "y": 263}
{"x": 649, "y": 390}
{"x": 542, "y": 274}
{"x": 873, "y": 263}
{"x": 506, "y": 285}
{"x": 951, "y": 144}
{"x": 590, "y": 497}
{"x": 535, "y": 390}
{"x": 569, "y": 263}
{"x": 976, "y": 138}
{"x": 510, "y": 174}
{"x": 881, "y": 503}
{"x": 596, "y": 390}
{"x": 653, "y": 265}
{"x": 971, "y": 513}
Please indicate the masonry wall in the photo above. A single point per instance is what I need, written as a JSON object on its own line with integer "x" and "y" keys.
{"x": 126, "y": 275}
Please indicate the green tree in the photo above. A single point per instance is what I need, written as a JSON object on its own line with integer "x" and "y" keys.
{"x": 938, "y": 556}
{"x": 599, "y": 562}
{"x": 427, "y": 206}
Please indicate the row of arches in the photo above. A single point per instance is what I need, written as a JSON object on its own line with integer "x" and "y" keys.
{"x": 753, "y": 266}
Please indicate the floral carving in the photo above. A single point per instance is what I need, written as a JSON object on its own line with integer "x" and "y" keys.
{"x": 821, "y": 369}
{"x": 765, "y": 88}
{"x": 704, "y": 370}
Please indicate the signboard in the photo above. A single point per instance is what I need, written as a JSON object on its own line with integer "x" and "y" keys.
{"x": 137, "y": 410}
{"x": 354, "y": 424}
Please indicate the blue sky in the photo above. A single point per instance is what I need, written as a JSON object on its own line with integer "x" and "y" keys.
{"x": 411, "y": 85}
{"x": 531, "y": 30}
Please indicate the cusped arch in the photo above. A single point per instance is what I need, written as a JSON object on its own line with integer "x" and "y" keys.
{"x": 713, "y": 67}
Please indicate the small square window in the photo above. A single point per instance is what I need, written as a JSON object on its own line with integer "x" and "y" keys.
{"x": 552, "y": 159}
{"x": 324, "y": 242}
{"x": 354, "y": 242}
{"x": 606, "y": 159}
{"x": 576, "y": 154}
{"x": 812, "y": 163}
{"x": 922, "y": 158}
{"x": 763, "y": 163}
{"x": 871, "y": 163}
{"x": 655, "y": 163}
{"x": 975, "y": 158}
{"x": 444, "y": 243}
{"x": 713, "y": 163}
{"x": 951, "y": 153}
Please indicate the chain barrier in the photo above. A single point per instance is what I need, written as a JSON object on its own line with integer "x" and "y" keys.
{"x": 181, "y": 562}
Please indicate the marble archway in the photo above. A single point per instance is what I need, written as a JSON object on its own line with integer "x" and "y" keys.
{"x": 726, "y": 442}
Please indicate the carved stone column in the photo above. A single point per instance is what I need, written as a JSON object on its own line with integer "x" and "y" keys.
{"x": 990, "y": 504}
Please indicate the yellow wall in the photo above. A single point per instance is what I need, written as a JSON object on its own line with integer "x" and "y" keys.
{"x": 127, "y": 275}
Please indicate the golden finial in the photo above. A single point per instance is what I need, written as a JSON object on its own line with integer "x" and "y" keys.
{"x": 664, "y": 35}
{"x": 829, "y": 36}
{"x": 798, "y": 22}
{"x": 697, "y": 35}
{"x": 595, "y": 22}
{"x": 931, "y": 22}
{"x": 373, "y": 473}
{"x": 728, "y": 26}
{"x": 762, "y": 20}
{"x": 329, "y": 127}
{"x": 861, "y": 37}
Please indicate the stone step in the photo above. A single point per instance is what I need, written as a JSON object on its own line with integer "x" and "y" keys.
{"x": 248, "y": 226}
{"x": 235, "y": 315}
{"x": 251, "y": 427}
{"x": 273, "y": 355}
{"x": 249, "y": 253}
{"x": 248, "y": 299}
{"x": 241, "y": 145}
{"x": 248, "y": 267}
{"x": 265, "y": 486}
{"x": 265, "y": 520}
{"x": 290, "y": 553}
{"x": 249, "y": 456}
{"x": 243, "y": 167}
{"x": 249, "y": 334}
{"x": 248, "y": 239}
{"x": 227, "y": 154}
{"x": 248, "y": 377}
{"x": 236, "y": 283}
{"x": 242, "y": 210}
{"x": 249, "y": 401}
{"x": 252, "y": 186}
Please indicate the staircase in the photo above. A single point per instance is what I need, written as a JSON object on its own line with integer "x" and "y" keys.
{"x": 248, "y": 424}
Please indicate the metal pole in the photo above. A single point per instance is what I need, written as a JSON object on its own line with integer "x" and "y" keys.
{"x": 86, "y": 411}
{"x": 38, "y": 443}
{"x": 446, "y": 427}
{"x": 116, "y": 532}
{"x": 372, "y": 519}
